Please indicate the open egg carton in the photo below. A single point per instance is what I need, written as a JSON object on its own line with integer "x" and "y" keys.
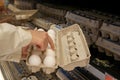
{"x": 71, "y": 50}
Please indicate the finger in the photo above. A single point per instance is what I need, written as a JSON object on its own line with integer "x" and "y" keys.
{"x": 50, "y": 41}
{"x": 42, "y": 47}
{"x": 24, "y": 51}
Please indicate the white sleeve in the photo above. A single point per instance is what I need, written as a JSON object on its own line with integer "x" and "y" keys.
{"x": 12, "y": 39}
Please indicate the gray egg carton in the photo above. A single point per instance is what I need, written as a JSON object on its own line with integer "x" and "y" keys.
{"x": 89, "y": 26}
{"x": 110, "y": 31}
{"x": 109, "y": 47}
{"x": 71, "y": 50}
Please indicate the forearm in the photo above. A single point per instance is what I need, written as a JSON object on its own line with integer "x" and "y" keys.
{"x": 12, "y": 39}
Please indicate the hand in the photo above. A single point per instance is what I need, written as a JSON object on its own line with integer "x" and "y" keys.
{"x": 40, "y": 39}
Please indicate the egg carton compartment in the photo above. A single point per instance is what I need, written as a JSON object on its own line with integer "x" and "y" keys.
{"x": 72, "y": 48}
{"x": 110, "y": 47}
{"x": 113, "y": 32}
{"x": 48, "y": 70}
{"x": 105, "y": 34}
{"x": 110, "y": 36}
{"x": 114, "y": 38}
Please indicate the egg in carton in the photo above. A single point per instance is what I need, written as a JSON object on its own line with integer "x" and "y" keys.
{"x": 71, "y": 50}
{"x": 47, "y": 59}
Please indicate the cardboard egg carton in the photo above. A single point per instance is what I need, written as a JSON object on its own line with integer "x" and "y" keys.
{"x": 71, "y": 50}
{"x": 89, "y": 26}
{"x": 22, "y": 14}
{"x": 109, "y": 47}
{"x": 51, "y": 10}
{"x": 110, "y": 31}
{"x": 25, "y": 14}
{"x": 42, "y": 23}
{"x": 82, "y": 20}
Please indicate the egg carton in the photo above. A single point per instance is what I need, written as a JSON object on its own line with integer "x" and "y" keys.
{"x": 21, "y": 14}
{"x": 42, "y": 23}
{"x": 24, "y": 4}
{"x": 88, "y": 39}
{"x": 112, "y": 33}
{"x": 93, "y": 24}
{"x": 25, "y": 14}
{"x": 53, "y": 12}
{"x": 71, "y": 50}
{"x": 109, "y": 47}
{"x": 89, "y": 26}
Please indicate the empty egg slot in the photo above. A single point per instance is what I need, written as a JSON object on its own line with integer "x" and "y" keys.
{"x": 106, "y": 35}
{"x": 80, "y": 51}
{"x": 74, "y": 57}
{"x": 72, "y": 51}
{"x": 71, "y": 44}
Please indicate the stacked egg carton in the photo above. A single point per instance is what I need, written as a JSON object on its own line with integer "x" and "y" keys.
{"x": 71, "y": 50}
{"x": 48, "y": 11}
{"x": 89, "y": 26}
{"x": 109, "y": 42}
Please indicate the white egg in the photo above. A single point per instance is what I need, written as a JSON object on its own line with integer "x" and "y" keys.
{"x": 34, "y": 60}
{"x": 49, "y": 52}
{"x": 49, "y": 61}
{"x": 52, "y": 37}
{"x": 41, "y": 29}
{"x": 51, "y": 31}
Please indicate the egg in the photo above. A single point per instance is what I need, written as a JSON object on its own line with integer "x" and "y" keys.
{"x": 49, "y": 52}
{"x": 49, "y": 61}
{"x": 51, "y": 31}
{"x": 41, "y": 29}
{"x": 52, "y": 37}
{"x": 34, "y": 60}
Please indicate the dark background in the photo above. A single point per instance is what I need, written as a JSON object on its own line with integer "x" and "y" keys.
{"x": 107, "y": 6}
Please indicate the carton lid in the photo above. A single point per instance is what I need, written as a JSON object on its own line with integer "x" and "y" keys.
{"x": 71, "y": 48}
